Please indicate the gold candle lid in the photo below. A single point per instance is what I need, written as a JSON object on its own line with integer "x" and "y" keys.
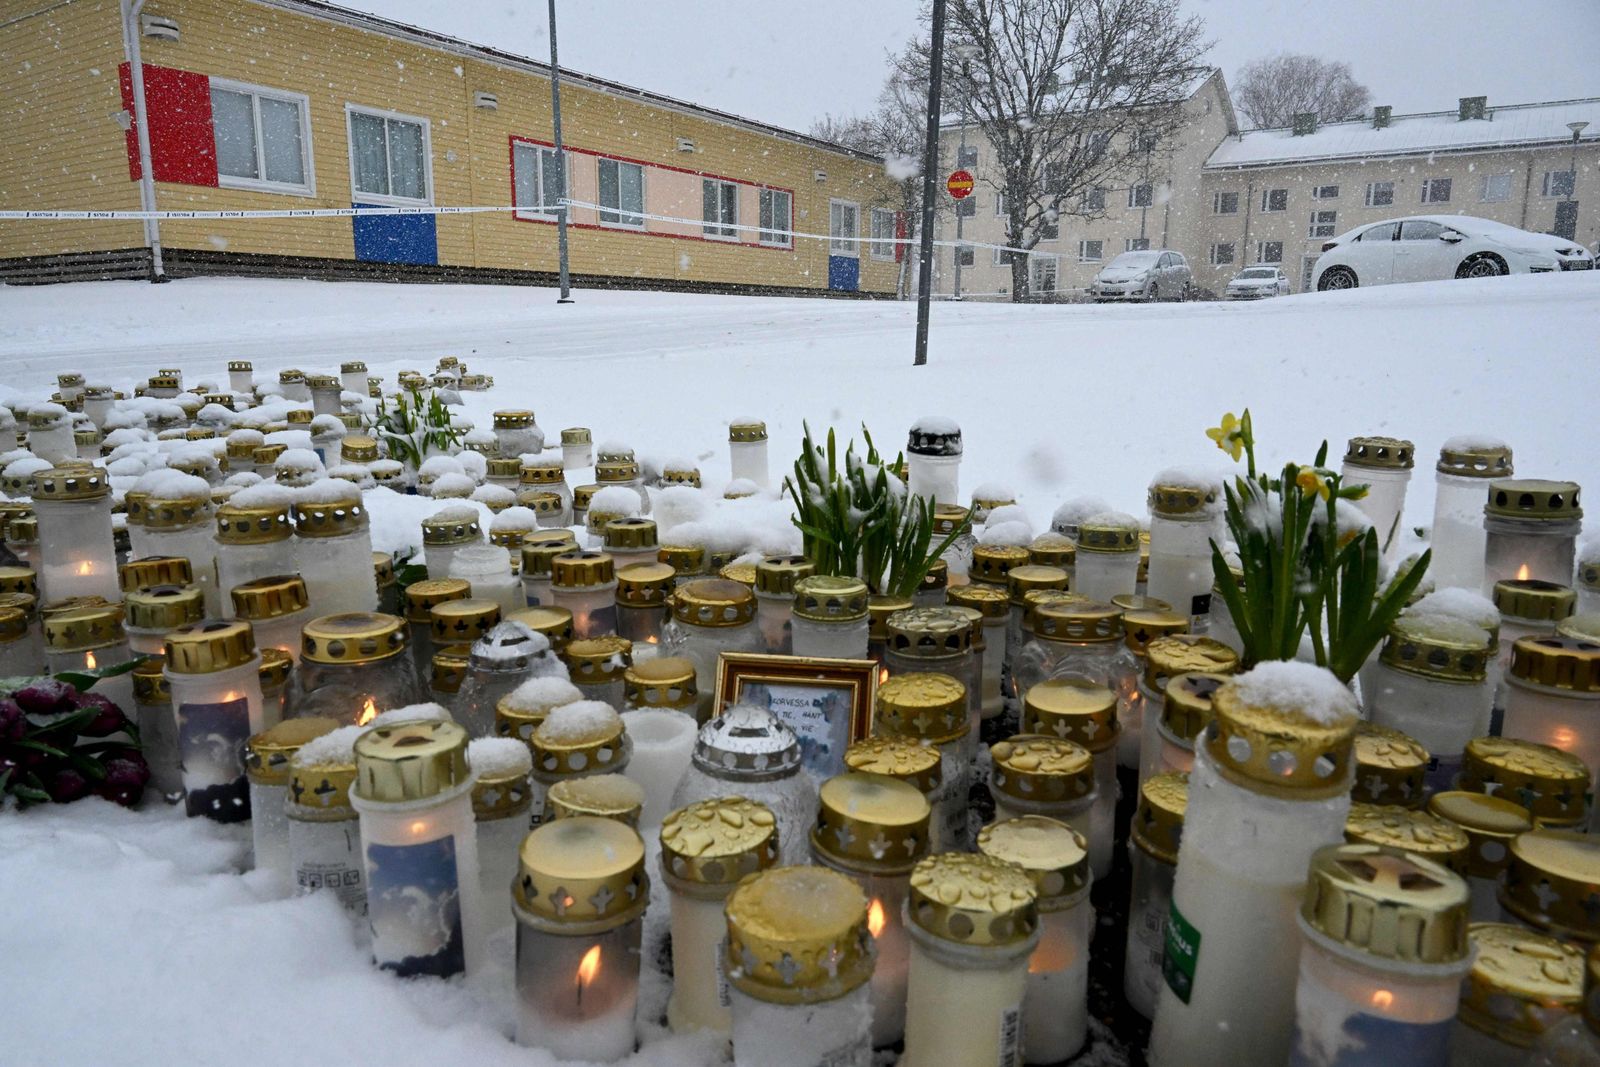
{"x": 164, "y": 607}
{"x": 267, "y": 455}
{"x": 1023, "y": 577}
{"x": 1126, "y": 602}
{"x": 276, "y": 666}
{"x": 1142, "y": 626}
{"x": 1052, "y": 550}
{"x": 25, "y": 580}
{"x": 23, "y": 530}
{"x": 513, "y": 419}
{"x": 1157, "y": 825}
{"x": 1170, "y": 499}
{"x": 1531, "y": 598}
{"x": 408, "y": 761}
{"x": 457, "y": 525}
{"x": 1586, "y": 626}
{"x": 935, "y": 578}
{"x": 630, "y": 533}
{"x": 680, "y": 475}
{"x": 270, "y": 598}
{"x": 331, "y": 518}
{"x": 267, "y": 754}
{"x": 992, "y": 563}
{"x": 1380, "y": 453}
{"x": 576, "y": 435}
{"x": 598, "y": 660}
{"x": 501, "y": 795}
{"x": 663, "y": 682}
{"x": 747, "y": 430}
{"x": 1052, "y": 853}
{"x": 1076, "y": 710}
{"x": 612, "y": 473}
{"x": 320, "y": 792}
{"x": 577, "y": 568}
{"x": 991, "y": 601}
{"x": 447, "y": 668}
{"x": 208, "y": 647}
{"x": 685, "y": 559}
{"x": 1437, "y": 647}
{"x": 71, "y": 483}
{"x": 553, "y": 622}
{"x": 1106, "y": 533}
{"x": 383, "y": 570}
{"x": 1553, "y": 883}
{"x": 562, "y": 747}
{"x": 899, "y": 758}
{"x": 540, "y": 558}
{"x": 583, "y": 874}
{"x": 510, "y": 537}
{"x": 1550, "y": 783}
{"x": 777, "y": 575}
{"x": 1042, "y": 770}
{"x": 254, "y": 525}
{"x": 1533, "y": 499}
{"x": 1489, "y": 822}
{"x": 879, "y": 607}
{"x": 970, "y": 899}
{"x": 1282, "y": 750}
{"x": 1521, "y": 983}
{"x": 150, "y": 685}
{"x": 709, "y": 846}
{"x": 1077, "y": 621}
{"x": 870, "y": 824}
{"x": 947, "y": 518}
{"x": 1186, "y": 709}
{"x": 1408, "y": 830}
{"x": 171, "y": 513}
{"x": 797, "y": 935}
{"x": 1571, "y": 664}
{"x": 644, "y": 585}
{"x": 82, "y": 629}
{"x": 928, "y": 633}
{"x": 582, "y": 494}
{"x": 1183, "y": 654}
{"x": 1390, "y": 767}
{"x": 352, "y": 637}
{"x": 825, "y": 598}
{"x": 604, "y": 796}
{"x": 520, "y": 718}
{"x": 13, "y": 623}
{"x": 714, "y": 602}
{"x": 1476, "y": 461}
{"x": 422, "y": 597}
{"x": 1388, "y": 904}
{"x": 499, "y": 467}
{"x": 461, "y": 622}
{"x": 922, "y": 707}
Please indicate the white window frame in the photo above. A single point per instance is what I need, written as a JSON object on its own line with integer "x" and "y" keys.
{"x": 773, "y": 238}
{"x": 1083, "y": 251}
{"x": 1133, "y": 195}
{"x": 622, "y": 221}
{"x": 1216, "y": 261}
{"x": 999, "y": 204}
{"x": 844, "y": 246}
{"x": 1266, "y": 198}
{"x": 713, "y": 230}
{"x": 1216, "y": 202}
{"x": 1129, "y": 244}
{"x": 350, "y": 111}
{"x": 1261, "y": 251}
{"x": 307, "y": 164}
{"x": 1002, "y": 256}
{"x": 1319, "y": 192}
{"x": 545, "y": 195}
{"x": 1036, "y": 268}
{"x": 1372, "y": 187}
{"x": 971, "y": 259}
{"x": 1094, "y": 191}
{"x": 878, "y": 249}
{"x": 1427, "y": 188}
{"x": 1544, "y": 187}
{"x": 1332, "y": 225}
{"x": 1483, "y": 190}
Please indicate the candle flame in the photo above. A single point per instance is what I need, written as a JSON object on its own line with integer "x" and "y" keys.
{"x": 88, "y": 660}
{"x": 883, "y": 675}
{"x": 875, "y": 918}
{"x": 1523, "y": 573}
{"x": 1564, "y": 738}
{"x": 369, "y": 711}
{"x": 418, "y": 828}
{"x": 589, "y": 966}
{"x": 85, "y": 568}
{"x": 1382, "y": 999}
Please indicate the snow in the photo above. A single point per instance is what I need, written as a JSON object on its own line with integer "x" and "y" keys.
{"x": 1303, "y": 687}
{"x": 1464, "y": 604}
{"x": 167, "y": 484}
{"x": 937, "y": 424}
{"x": 1016, "y": 534}
{"x": 538, "y": 694}
{"x": 515, "y": 518}
{"x": 263, "y": 494}
{"x": 580, "y": 719}
{"x": 492, "y": 496}
{"x": 335, "y": 746}
{"x": 454, "y": 485}
{"x": 994, "y": 491}
{"x": 1007, "y": 513}
{"x": 410, "y": 713}
{"x": 499, "y": 756}
{"x": 325, "y": 491}
{"x": 438, "y": 466}
{"x": 1471, "y": 442}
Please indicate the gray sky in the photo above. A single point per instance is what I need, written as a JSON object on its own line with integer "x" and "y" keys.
{"x": 789, "y": 63}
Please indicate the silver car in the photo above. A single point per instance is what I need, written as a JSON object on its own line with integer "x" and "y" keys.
{"x": 1253, "y": 283}
{"x": 1153, "y": 274}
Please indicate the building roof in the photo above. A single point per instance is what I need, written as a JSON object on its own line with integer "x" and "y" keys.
{"x": 444, "y": 42}
{"x": 1197, "y": 80}
{"x": 1408, "y": 135}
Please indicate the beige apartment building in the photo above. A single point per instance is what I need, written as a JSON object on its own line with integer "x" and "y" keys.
{"x": 1228, "y": 198}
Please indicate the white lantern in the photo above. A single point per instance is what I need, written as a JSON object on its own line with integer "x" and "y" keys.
{"x": 77, "y": 553}
{"x": 1383, "y": 465}
{"x": 1457, "y": 537}
{"x": 747, "y": 451}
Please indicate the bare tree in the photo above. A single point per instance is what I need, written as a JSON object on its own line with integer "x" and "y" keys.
{"x": 1074, "y": 96}
{"x": 1272, "y": 91}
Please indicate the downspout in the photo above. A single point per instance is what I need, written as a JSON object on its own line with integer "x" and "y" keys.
{"x": 147, "y": 181}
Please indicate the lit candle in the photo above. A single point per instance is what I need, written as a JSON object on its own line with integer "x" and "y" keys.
{"x": 1383, "y": 465}
{"x": 266, "y": 764}
{"x": 1085, "y": 713}
{"x": 212, "y": 671}
{"x": 78, "y": 558}
{"x": 1153, "y": 838}
{"x": 1490, "y": 824}
{"x": 352, "y": 666}
{"x": 1384, "y": 953}
{"x": 324, "y": 835}
{"x": 501, "y": 799}
{"x": 642, "y": 592}
{"x": 1531, "y": 531}
{"x": 930, "y": 710}
{"x": 1553, "y": 695}
{"x": 663, "y": 743}
{"x": 1521, "y": 985}
{"x": 1430, "y": 683}
{"x": 579, "y": 901}
{"x": 585, "y": 584}
{"x": 974, "y": 922}
{"x": 707, "y": 848}
{"x": 414, "y": 794}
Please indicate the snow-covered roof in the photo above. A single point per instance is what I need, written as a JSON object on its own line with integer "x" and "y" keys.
{"x": 1197, "y": 79}
{"x": 1434, "y": 131}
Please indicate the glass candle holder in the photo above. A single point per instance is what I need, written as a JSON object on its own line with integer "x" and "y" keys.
{"x": 775, "y": 579}
{"x": 251, "y": 543}
{"x": 708, "y": 848}
{"x": 585, "y": 584}
{"x": 1522, "y": 985}
{"x": 1490, "y": 823}
{"x": 1389, "y": 984}
{"x": 487, "y": 569}
{"x": 149, "y": 614}
{"x": 663, "y": 743}
{"x": 994, "y": 605}
{"x": 413, "y": 793}
{"x": 747, "y": 451}
{"x": 642, "y": 592}
{"x": 501, "y": 799}
{"x": 829, "y": 618}
{"x": 465, "y": 621}
{"x": 1108, "y": 556}
{"x": 498, "y": 664}
{"x": 336, "y": 561}
{"x": 579, "y": 902}
{"x": 1391, "y": 768}
{"x": 930, "y": 710}
{"x": 1383, "y": 465}
{"x": 711, "y": 616}
{"x": 158, "y": 728}
{"x": 874, "y": 829}
{"x": 1457, "y": 536}
{"x": 934, "y": 585}
{"x": 577, "y": 448}
{"x": 324, "y": 832}
{"x": 352, "y": 667}
{"x": 86, "y": 638}
{"x": 665, "y": 682}
{"x": 798, "y": 957}
{"x": 444, "y": 532}
{"x": 212, "y": 670}
{"x": 937, "y": 641}
{"x": 933, "y": 460}
{"x": 519, "y": 713}
{"x": 1530, "y": 531}
{"x": 1086, "y": 714}
{"x": 577, "y": 740}
{"x": 1431, "y": 683}
{"x": 77, "y": 555}
{"x": 597, "y": 665}
{"x": 276, "y": 607}
{"x": 1153, "y": 838}
{"x": 1553, "y": 695}
{"x": 1183, "y": 522}
{"x": 974, "y": 924}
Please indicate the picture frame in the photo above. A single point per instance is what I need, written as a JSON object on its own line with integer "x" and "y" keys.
{"x": 828, "y": 703}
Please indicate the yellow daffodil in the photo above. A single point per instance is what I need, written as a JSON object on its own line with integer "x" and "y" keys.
{"x": 1229, "y": 436}
{"x": 1312, "y": 483}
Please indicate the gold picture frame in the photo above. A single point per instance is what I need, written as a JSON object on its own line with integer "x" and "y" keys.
{"x": 809, "y": 694}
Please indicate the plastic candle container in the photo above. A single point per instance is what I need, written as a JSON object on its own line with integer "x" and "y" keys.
{"x": 1271, "y": 784}
{"x": 1531, "y": 531}
{"x": 212, "y": 670}
{"x": 707, "y": 848}
{"x": 1108, "y": 556}
{"x": 253, "y": 542}
{"x": 577, "y": 740}
{"x": 1167, "y": 658}
{"x": 1490, "y": 823}
{"x": 487, "y": 569}
{"x": 324, "y": 834}
{"x": 90, "y": 637}
{"x": 1178, "y": 721}
{"x": 1055, "y": 1009}
{"x": 665, "y": 682}
{"x": 711, "y": 616}
{"x": 50, "y": 433}
{"x": 503, "y": 471}
{"x": 994, "y": 605}
{"x": 517, "y": 432}
{"x": 152, "y": 612}
{"x": 933, "y": 459}
{"x": 77, "y": 556}
{"x": 1047, "y": 776}
{"x": 597, "y": 665}
{"x": 276, "y": 608}
{"x": 294, "y": 385}
{"x": 463, "y": 621}
{"x": 420, "y": 600}
{"x": 1553, "y": 695}
{"x": 158, "y": 728}
{"x": 629, "y": 541}
{"x": 1430, "y": 683}
{"x": 930, "y": 710}
{"x": 335, "y": 557}
{"x": 830, "y": 618}
{"x": 444, "y": 532}
{"x": 353, "y": 377}
{"x": 642, "y": 592}
{"x": 747, "y": 451}
{"x": 623, "y": 473}
{"x": 499, "y": 662}
{"x": 97, "y": 401}
{"x": 874, "y": 830}
{"x": 585, "y": 584}
{"x": 1391, "y": 768}
{"x": 501, "y": 798}
{"x": 1521, "y": 986}
{"x": 1384, "y": 953}
{"x": 352, "y": 667}
{"x": 663, "y": 743}
{"x": 181, "y": 526}
{"x": 1183, "y": 523}
{"x": 413, "y": 793}
{"x": 1153, "y": 838}
{"x": 537, "y": 559}
{"x": 519, "y": 713}
{"x": 1457, "y": 537}
{"x": 1383, "y": 465}
{"x": 1084, "y": 713}
{"x": 1551, "y": 784}
{"x": 776, "y": 577}
{"x": 266, "y": 764}
{"x": 936, "y": 641}
{"x": 241, "y": 378}
{"x": 1551, "y": 884}
{"x": 577, "y": 448}
{"x": 538, "y": 474}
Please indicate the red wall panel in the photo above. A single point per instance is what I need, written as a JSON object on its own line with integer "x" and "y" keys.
{"x": 182, "y": 148}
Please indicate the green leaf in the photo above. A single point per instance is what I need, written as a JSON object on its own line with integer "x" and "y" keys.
{"x": 28, "y": 793}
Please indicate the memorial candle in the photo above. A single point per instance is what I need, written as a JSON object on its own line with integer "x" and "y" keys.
{"x": 77, "y": 556}
{"x": 1457, "y": 536}
{"x": 212, "y": 671}
{"x": 324, "y": 832}
{"x": 1531, "y": 531}
{"x": 1085, "y": 713}
{"x": 1522, "y": 984}
{"x": 266, "y": 764}
{"x": 663, "y": 744}
{"x": 1383, "y": 465}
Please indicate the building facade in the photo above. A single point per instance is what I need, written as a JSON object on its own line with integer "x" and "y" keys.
{"x": 293, "y": 104}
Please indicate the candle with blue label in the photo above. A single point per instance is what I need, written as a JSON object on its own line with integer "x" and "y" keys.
{"x": 213, "y": 671}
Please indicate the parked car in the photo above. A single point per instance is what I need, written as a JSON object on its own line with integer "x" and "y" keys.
{"x": 1154, "y": 274}
{"x": 1423, "y": 248}
{"x": 1253, "y": 283}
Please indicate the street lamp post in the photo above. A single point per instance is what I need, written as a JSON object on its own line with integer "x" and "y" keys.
{"x": 561, "y": 166}
{"x": 930, "y": 160}
{"x": 964, "y": 51}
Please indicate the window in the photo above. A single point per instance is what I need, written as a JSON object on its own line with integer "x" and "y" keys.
{"x": 1436, "y": 190}
{"x": 1002, "y": 257}
{"x": 1384, "y": 231}
{"x": 1042, "y": 274}
{"x": 389, "y": 156}
{"x": 1224, "y": 203}
{"x": 967, "y": 209}
{"x": 1557, "y": 183}
{"x": 1323, "y": 224}
{"x": 1324, "y": 192}
{"x": 536, "y": 181}
{"x": 1090, "y": 251}
{"x": 621, "y": 194}
{"x": 719, "y": 209}
{"x": 1055, "y": 178}
{"x": 1269, "y": 251}
{"x": 1222, "y": 254}
{"x": 1099, "y": 141}
{"x": 1496, "y": 188}
{"x": 1566, "y": 220}
{"x": 1146, "y": 140}
{"x": 843, "y": 226}
{"x": 883, "y": 245}
{"x": 1420, "y": 230}
{"x": 1274, "y": 200}
{"x": 999, "y": 203}
{"x": 1141, "y": 196}
{"x": 1094, "y": 199}
{"x": 1049, "y": 231}
{"x": 775, "y": 217}
{"x": 1136, "y": 244}
{"x": 967, "y": 156}
{"x": 1380, "y": 194}
{"x": 262, "y": 138}
{"x": 964, "y": 256}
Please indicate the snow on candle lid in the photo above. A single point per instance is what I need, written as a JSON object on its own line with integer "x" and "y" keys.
{"x": 1553, "y": 883}
{"x": 267, "y": 754}
{"x": 453, "y": 487}
{"x": 1109, "y": 531}
{"x": 605, "y": 796}
{"x": 1055, "y": 856}
{"x": 328, "y": 508}
{"x": 934, "y": 435}
{"x": 1462, "y": 604}
{"x": 514, "y": 646}
{"x": 321, "y": 775}
{"x": 717, "y": 842}
{"x": 583, "y": 870}
{"x": 1521, "y": 984}
{"x": 1052, "y": 549}
{"x": 456, "y": 524}
{"x": 745, "y": 428}
{"x": 1286, "y": 729}
{"x": 1184, "y": 492}
{"x": 973, "y": 899}
{"x": 1475, "y": 456}
{"x": 598, "y": 660}
{"x": 1387, "y": 904}
{"x": 579, "y": 738}
{"x": 798, "y": 935}
{"x": 501, "y": 765}
{"x": 1438, "y": 646}
{"x": 870, "y": 823}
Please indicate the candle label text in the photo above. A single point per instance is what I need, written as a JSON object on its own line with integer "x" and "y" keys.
{"x": 211, "y": 740}
{"x": 1009, "y": 1053}
{"x": 414, "y": 908}
{"x": 724, "y": 998}
{"x": 1182, "y": 954}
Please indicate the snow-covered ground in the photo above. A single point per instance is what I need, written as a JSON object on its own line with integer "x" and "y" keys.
{"x": 127, "y": 937}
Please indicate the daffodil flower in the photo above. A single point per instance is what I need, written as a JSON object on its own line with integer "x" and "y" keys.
{"x": 1229, "y": 436}
{"x": 1312, "y": 483}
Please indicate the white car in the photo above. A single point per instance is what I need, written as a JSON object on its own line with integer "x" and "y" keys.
{"x": 1154, "y": 274}
{"x": 1253, "y": 283}
{"x": 1430, "y": 247}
